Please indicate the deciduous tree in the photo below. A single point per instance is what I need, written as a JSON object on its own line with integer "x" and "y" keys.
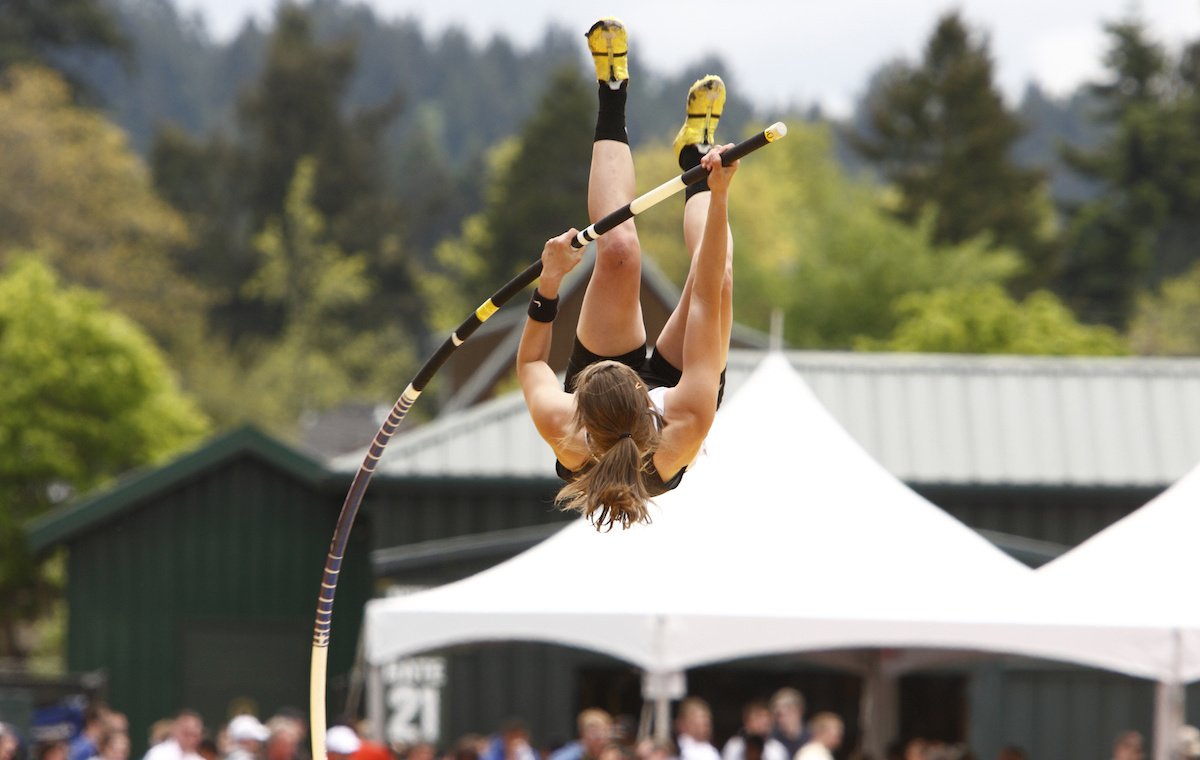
{"x": 71, "y": 188}
{"x": 985, "y": 319}
{"x": 815, "y": 243}
{"x": 1166, "y": 322}
{"x": 85, "y": 395}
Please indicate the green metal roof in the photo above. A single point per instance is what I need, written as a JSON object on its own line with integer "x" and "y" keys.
{"x": 129, "y": 491}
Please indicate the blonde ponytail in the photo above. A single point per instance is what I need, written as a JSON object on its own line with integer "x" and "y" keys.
{"x": 613, "y": 408}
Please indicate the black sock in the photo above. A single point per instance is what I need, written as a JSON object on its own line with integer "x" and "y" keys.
{"x": 610, "y": 121}
{"x": 690, "y": 157}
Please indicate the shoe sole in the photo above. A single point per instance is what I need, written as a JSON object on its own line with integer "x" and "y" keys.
{"x": 609, "y": 32}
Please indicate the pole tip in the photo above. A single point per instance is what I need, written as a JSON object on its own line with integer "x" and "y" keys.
{"x": 776, "y": 131}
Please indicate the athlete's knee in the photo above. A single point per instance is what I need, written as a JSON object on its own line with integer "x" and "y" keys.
{"x": 617, "y": 250}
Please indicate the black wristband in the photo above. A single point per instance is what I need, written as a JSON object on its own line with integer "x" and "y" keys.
{"x": 542, "y": 309}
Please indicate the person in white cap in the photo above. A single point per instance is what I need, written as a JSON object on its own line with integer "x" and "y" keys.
{"x": 341, "y": 742}
{"x": 246, "y": 736}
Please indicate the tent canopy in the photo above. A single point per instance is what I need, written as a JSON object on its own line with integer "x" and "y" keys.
{"x": 787, "y": 537}
{"x": 1143, "y": 568}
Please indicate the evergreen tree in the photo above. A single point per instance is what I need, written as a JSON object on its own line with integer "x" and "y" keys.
{"x": 941, "y": 133}
{"x": 1144, "y": 225}
{"x": 543, "y": 191}
{"x": 231, "y": 188}
{"x": 537, "y": 188}
{"x": 34, "y": 31}
{"x": 295, "y": 111}
{"x": 319, "y": 360}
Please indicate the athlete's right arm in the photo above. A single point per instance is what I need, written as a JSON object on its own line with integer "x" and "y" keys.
{"x": 692, "y": 403}
{"x": 549, "y": 406}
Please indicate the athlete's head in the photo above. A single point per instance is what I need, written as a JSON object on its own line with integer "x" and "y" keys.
{"x": 613, "y": 409}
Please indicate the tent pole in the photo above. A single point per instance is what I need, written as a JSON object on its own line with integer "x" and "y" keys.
{"x": 376, "y": 714}
{"x": 1168, "y": 717}
{"x": 645, "y": 723}
{"x": 878, "y": 707}
{"x": 662, "y": 720}
{"x": 660, "y": 688}
{"x": 866, "y": 707}
{"x": 1169, "y": 699}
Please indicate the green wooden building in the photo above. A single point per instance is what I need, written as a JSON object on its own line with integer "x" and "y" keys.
{"x": 195, "y": 584}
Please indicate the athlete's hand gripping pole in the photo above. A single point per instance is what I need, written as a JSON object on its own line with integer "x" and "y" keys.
{"x": 341, "y": 534}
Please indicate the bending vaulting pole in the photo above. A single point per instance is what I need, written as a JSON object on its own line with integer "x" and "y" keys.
{"x": 341, "y": 534}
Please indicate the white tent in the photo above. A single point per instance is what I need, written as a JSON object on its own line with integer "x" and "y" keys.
{"x": 788, "y": 537}
{"x": 1142, "y": 570}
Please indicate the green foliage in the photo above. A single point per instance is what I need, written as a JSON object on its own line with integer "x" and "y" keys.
{"x": 1167, "y": 322}
{"x": 318, "y": 360}
{"x": 230, "y": 187}
{"x": 537, "y": 188}
{"x": 294, "y": 111}
{"x": 71, "y": 188}
{"x": 309, "y": 278}
{"x": 1143, "y": 227}
{"x": 543, "y": 189}
{"x": 941, "y": 133}
{"x": 985, "y": 319}
{"x": 31, "y": 30}
{"x": 302, "y": 326}
{"x": 84, "y": 396}
{"x": 816, "y": 244}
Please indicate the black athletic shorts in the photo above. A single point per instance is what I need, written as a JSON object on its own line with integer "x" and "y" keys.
{"x": 655, "y": 371}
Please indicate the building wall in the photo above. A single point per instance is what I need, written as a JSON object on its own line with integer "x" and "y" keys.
{"x": 1066, "y": 516}
{"x": 1059, "y": 711}
{"x": 412, "y": 510}
{"x": 205, "y": 595}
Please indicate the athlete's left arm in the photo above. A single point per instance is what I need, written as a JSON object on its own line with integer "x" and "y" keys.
{"x": 549, "y": 406}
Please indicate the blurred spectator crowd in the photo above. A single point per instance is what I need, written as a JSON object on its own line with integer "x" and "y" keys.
{"x": 771, "y": 730}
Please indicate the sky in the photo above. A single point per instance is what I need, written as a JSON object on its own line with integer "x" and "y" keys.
{"x": 798, "y": 52}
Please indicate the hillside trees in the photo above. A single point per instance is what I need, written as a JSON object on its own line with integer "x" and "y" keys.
{"x": 298, "y": 176}
{"x": 941, "y": 133}
{"x": 71, "y": 189}
{"x": 231, "y": 186}
{"x": 32, "y": 31}
{"x": 815, "y": 243}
